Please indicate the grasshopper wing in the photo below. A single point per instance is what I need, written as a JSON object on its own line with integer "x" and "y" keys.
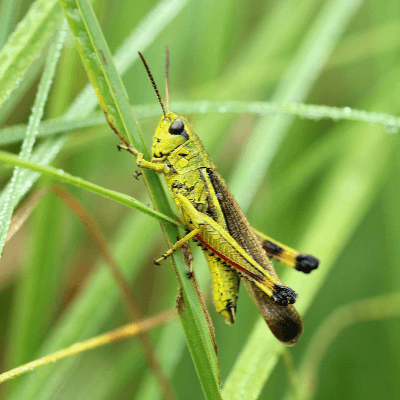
{"x": 284, "y": 322}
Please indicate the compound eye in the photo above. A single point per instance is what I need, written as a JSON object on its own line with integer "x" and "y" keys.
{"x": 176, "y": 128}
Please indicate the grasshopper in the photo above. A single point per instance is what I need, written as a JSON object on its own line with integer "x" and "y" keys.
{"x": 233, "y": 249}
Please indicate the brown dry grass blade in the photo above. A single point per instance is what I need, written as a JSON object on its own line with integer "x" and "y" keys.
{"x": 124, "y": 332}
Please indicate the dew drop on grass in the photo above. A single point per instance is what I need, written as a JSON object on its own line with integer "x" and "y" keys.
{"x": 312, "y": 115}
{"x": 347, "y": 110}
{"x": 222, "y": 109}
{"x": 391, "y": 128}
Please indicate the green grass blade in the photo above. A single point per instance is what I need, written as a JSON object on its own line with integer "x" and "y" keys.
{"x": 53, "y": 126}
{"x": 30, "y": 299}
{"x": 139, "y": 39}
{"x": 19, "y": 92}
{"x": 16, "y": 183}
{"x": 113, "y": 99}
{"x": 8, "y": 12}
{"x": 26, "y": 42}
{"x": 62, "y": 176}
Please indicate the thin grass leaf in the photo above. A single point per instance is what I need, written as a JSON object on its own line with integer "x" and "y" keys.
{"x": 112, "y": 97}
{"x": 127, "y": 331}
{"x": 126, "y": 55}
{"x": 18, "y": 93}
{"x": 62, "y": 176}
{"x": 8, "y": 12}
{"x": 54, "y": 126}
{"x": 15, "y": 188}
{"x": 26, "y": 42}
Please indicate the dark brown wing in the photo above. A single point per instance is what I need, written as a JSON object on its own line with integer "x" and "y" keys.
{"x": 284, "y": 322}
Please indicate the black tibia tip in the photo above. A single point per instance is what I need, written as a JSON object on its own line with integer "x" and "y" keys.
{"x": 306, "y": 263}
{"x": 283, "y": 295}
{"x": 231, "y": 309}
{"x": 272, "y": 247}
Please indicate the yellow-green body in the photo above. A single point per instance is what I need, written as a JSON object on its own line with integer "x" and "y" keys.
{"x": 188, "y": 177}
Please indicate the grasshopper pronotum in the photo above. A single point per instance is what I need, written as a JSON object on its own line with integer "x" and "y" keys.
{"x": 233, "y": 249}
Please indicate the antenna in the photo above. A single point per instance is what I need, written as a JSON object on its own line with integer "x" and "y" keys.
{"x": 166, "y": 76}
{"x": 152, "y": 82}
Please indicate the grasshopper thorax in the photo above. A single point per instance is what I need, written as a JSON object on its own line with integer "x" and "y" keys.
{"x": 172, "y": 131}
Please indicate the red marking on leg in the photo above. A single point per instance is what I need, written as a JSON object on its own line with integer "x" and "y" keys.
{"x": 229, "y": 261}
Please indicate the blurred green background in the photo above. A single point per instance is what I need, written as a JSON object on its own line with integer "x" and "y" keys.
{"x": 332, "y": 188}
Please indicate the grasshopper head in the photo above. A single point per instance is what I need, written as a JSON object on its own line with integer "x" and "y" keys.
{"x": 172, "y": 131}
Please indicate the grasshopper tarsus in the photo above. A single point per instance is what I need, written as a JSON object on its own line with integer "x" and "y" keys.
{"x": 127, "y": 147}
{"x": 121, "y": 146}
{"x": 136, "y": 175}
{"x": 306, "y": 263}
{"x": 156, "y": 261}
{"x": 189, "y": 274}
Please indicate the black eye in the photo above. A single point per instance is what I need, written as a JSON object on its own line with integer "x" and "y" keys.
{"x": 176, "y": 128}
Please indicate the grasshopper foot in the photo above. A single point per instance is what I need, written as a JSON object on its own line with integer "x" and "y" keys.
{"x": 124, "y": 146}
{"x": 157, "y": 262}
{"x": 136, "y": 175}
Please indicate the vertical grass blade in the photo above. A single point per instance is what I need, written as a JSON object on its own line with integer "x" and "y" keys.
{"x": 8, "y": 12}
{"x": 15, "y": 188}
{"x": 26, "y": 42}
{"x": 113, "y": 99}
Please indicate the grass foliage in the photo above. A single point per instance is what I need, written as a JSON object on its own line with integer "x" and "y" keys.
{"x": 321, "y": 178}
